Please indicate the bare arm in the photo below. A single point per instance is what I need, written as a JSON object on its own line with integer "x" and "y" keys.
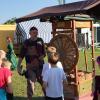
{"x": 65, "y": 81}
{"x": 9, "y": 85}
{"x": 44, "y": 84}
{"x": 65, "y": 78}
{"x": 19, "y": 68}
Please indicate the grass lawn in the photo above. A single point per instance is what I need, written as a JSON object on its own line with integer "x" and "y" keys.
{"x": 19, "y": 86}
{"x": 19, "y": 82}
{"x": 81, "y": 63}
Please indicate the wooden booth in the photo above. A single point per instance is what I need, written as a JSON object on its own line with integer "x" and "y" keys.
{"x": 64, "y": 39}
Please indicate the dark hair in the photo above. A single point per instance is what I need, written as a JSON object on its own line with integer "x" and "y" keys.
{"x": 33, "y": 28}
{"x": 98, "y": 60}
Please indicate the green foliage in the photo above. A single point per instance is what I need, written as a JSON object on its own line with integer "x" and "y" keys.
{"x": 10, "y": 21}
{"x": 96, "y": 21}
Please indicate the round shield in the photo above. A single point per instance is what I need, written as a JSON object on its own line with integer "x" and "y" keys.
{"x": 67, "y": 49}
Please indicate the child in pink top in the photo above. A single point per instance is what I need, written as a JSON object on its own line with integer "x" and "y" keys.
{"x": 6, "y": 92}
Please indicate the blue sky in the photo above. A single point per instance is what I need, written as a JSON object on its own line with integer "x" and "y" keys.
{"x": 18, "y": 8}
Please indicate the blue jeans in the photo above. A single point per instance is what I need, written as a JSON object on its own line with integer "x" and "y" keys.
{"x": 3, "y": 94}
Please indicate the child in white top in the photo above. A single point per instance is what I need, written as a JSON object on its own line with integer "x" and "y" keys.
{"x": 47, "y": 65}
{"x": 53, "y": 79}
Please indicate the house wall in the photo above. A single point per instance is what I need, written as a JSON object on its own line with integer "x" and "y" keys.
{"x": 97, "y": 34}
{"x": 83, "y": 37}
{"x": 6, "y": 30}
{"x": 84, "y": 31}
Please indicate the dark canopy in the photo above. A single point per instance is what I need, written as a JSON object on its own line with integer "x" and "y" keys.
{"x": 88, "y": 7}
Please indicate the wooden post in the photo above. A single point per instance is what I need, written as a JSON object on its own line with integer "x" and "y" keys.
{"x": 73, "y": 28}
{"x": 85, "y": 60}
{"x": 53, "y": 28}
{"x": 75, "y": 70}
{"x": 92, "y": 46}
{"x": 86, "y": 67}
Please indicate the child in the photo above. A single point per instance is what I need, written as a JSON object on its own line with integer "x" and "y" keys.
{"x": 53, "y": 79}
{"x": 47, "y": 65}
{"x": 98, "y": 61}
{"x": 2, "y": 55}
{"x": 2, "y": 91}
{"x": 6, "y": 92}
{"x": 11, "y": 54}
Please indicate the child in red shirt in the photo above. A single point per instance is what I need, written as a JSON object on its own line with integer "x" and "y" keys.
{"x": 6, "y": 91}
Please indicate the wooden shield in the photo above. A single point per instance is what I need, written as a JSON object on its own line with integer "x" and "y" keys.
{"x": 67, "y": 50}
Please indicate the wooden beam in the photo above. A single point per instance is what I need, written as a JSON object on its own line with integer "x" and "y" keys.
{"x": 92, "y": 46}
{"x": 62, "y": 24}
{"x": 83, "y": 24}
{"x": 75, "y": 69}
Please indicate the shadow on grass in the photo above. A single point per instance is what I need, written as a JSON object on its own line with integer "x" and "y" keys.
{"x": 24, "y": 98}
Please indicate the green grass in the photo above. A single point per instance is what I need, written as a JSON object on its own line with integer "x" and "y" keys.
{"x": 19, "y": 87}
{"x": 19, "y": 82}
{"x": 81, "y": 63}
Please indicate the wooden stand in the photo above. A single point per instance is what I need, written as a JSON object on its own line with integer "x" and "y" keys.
{"x": 79, "y": 87}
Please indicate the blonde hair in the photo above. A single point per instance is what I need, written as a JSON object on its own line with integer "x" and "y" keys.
{"x": 6, "y": 63}
{"x": 52, "y": 54}
{"x": 51, "y": 49}
{"x": 2, "y": 54}
{"x": 53, "y": 58}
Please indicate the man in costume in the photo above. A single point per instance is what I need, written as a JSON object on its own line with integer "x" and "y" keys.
{"x": 34, "y": 53}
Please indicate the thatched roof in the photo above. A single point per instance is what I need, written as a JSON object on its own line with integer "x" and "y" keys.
{"x": 89, "y": 7}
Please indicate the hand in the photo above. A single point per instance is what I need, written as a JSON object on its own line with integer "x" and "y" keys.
{"x": 19, "y": 70}
{"x": 41, "y": 57}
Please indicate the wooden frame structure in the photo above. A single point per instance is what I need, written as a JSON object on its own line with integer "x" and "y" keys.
{"x": 68, "y": 27}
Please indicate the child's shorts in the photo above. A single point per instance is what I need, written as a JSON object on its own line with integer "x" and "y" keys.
{"x": 50, "y": 98}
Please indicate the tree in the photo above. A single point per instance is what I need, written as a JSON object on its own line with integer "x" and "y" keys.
{"x": 61, "y": 1}
{"x": 10, "y": 21}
